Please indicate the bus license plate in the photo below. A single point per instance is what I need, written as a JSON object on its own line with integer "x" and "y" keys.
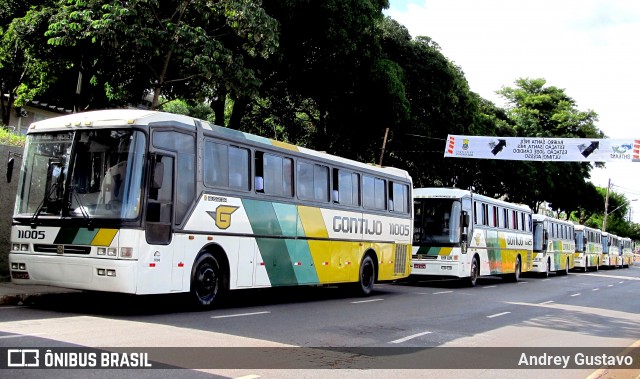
{"x": 19, "y": 275}
{"x": 419, "y": 265}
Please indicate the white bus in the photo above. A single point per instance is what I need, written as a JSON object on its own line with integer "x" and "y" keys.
{"x": 146, "y": 202}
{"x": 553, "y": 245}
{"x": 627, "y": 251}
{"x": 588, "y": 248}
{"x": 464, "y": 235}
{"x": 611, "y": 254}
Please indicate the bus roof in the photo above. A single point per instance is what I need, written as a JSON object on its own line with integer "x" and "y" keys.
{"x": 539, "y": 217}
{"x": 457, "y": 193}
{"x": 139, "y": 117}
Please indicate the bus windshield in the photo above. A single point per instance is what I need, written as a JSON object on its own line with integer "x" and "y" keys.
{"x": 86, "y": 174}
{"x": 436, "y": 222}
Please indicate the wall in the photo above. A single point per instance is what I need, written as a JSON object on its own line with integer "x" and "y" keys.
{"x": 7, "y": 201}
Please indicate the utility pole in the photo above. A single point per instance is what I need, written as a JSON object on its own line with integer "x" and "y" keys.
{"x": 606, "y": 207}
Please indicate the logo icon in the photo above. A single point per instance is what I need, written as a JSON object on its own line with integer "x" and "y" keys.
{"x": 222, "y": 215}
{"x": 621, "y": 149}
{"x": 465, "y": 144}
{"x": 23, "y": 358}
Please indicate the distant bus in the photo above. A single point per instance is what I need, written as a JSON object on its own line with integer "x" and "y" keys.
{"x": 627, "y": 252}
{"x": 611, "y": 254}
{"x": 588, "y": 253}
{"x": 553, "y": 245}
{"x": 144, "y": 202}
{"x": 463, "y": 235}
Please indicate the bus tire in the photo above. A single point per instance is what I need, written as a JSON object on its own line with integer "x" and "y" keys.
{"x": 206, "y": 281}
{"x": 367, "y": 276}
{"x": 474, "y": 273}
{"x": 515, "y": 277}
{"x": 548, "y": 270}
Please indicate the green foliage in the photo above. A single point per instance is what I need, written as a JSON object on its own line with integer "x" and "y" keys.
{"x": 11, "y": 139}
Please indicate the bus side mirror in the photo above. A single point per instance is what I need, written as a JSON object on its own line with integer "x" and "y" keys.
{"x": 158, "y": 175}
{"x": 9, "y": 170}
{"x": 465, "y": 220}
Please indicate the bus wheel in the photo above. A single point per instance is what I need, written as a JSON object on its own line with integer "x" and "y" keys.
{"x": 515, "y": 277}
{"x": 366, "y": 277}
{"x": 206, "y": 281}
{"x": 472, "y": 280}
{"x": 546, "y": 273}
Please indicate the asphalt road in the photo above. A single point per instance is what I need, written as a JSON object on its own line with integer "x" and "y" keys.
{"x": 495, "y": 320}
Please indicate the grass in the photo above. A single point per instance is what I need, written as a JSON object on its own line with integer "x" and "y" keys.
{"x": 9, "y": 138}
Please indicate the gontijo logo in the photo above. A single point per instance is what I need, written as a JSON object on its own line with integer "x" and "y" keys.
{"x": 222, "y": 215}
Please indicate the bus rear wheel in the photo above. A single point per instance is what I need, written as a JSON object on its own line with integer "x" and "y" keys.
{"x": 206, "y": 281}
{"x": 367, "y": 276}
{"x": 515, "y": 277}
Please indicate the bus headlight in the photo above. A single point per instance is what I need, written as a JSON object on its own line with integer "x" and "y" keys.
{"x": 111, "y": 251}
{"x": 102, "y": 251}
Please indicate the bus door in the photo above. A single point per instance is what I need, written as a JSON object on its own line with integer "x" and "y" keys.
{"x": 160, "y": 218}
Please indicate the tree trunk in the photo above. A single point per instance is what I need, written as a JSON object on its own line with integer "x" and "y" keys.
{"x": 239, "y": 109}
{"x": 218, "y": 107}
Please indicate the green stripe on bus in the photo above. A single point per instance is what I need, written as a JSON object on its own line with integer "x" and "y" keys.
{"x": 287, "y": 215}
{"x": 66, "y": 235}
{"x": 277, "y": 261}
{"x": 85, "y": 236}
{"x": 302, "y": 260}
{"x": 424, "y": 250}
{"x": 262, "y": 217}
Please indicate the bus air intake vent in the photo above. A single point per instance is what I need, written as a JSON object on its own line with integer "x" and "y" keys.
{"x": 400, "y": 266}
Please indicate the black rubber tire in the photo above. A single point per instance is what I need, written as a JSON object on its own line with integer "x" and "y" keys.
{"x": 206, "y": 281}
{"x": 367, "y": 276}
{"x": 515, "y": 277}
{"x": 472, "y": 280}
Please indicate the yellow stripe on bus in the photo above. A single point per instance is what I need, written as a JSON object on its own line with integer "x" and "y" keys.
{"x": 284, "y": 145}
{"x": 104, "y": 237}
{"x": 312, "y": 222}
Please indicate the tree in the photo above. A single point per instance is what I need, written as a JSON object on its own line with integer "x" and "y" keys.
{"x": 24, "y": 71}
{"x": 178, "y": 49}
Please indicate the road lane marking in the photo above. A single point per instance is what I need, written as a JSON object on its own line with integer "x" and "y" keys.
{"x": 22, "y": 335}
{"x": 407, "y": 338}
{"x": 620, "y": 282}
{"x": 498, "y": 314}
{"x": 493, "y": 286}
{"x": 614, "y": 276}
{"x": 595, "y": 289}
{"x": 544, "y": 280}
{"x": 366, "y": 301}
{"x": 522, "y": 282}
{"x": 546, "y": 302}
{"x": 610, "y": 285}
{"x": 248, "y": 377}
{"x": 242, "y": 314}
{"x": 441, "y": 292}
{"x": 575, "y": 294}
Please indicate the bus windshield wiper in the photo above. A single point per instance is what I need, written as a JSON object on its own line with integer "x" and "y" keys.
{"x": 45, "y": 199}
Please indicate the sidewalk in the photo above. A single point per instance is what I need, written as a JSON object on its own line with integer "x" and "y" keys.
{"x": 13, "y": 294}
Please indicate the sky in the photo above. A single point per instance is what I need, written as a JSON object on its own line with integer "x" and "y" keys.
{"x": 590, "y": 48}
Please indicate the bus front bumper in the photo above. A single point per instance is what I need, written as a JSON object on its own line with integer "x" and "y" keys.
{"x": 109, "y": 275}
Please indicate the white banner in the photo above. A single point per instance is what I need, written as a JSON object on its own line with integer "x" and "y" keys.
{"x": 554, "y": 149}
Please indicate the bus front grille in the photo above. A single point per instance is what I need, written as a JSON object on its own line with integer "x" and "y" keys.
{"x": 62, "y": 249}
